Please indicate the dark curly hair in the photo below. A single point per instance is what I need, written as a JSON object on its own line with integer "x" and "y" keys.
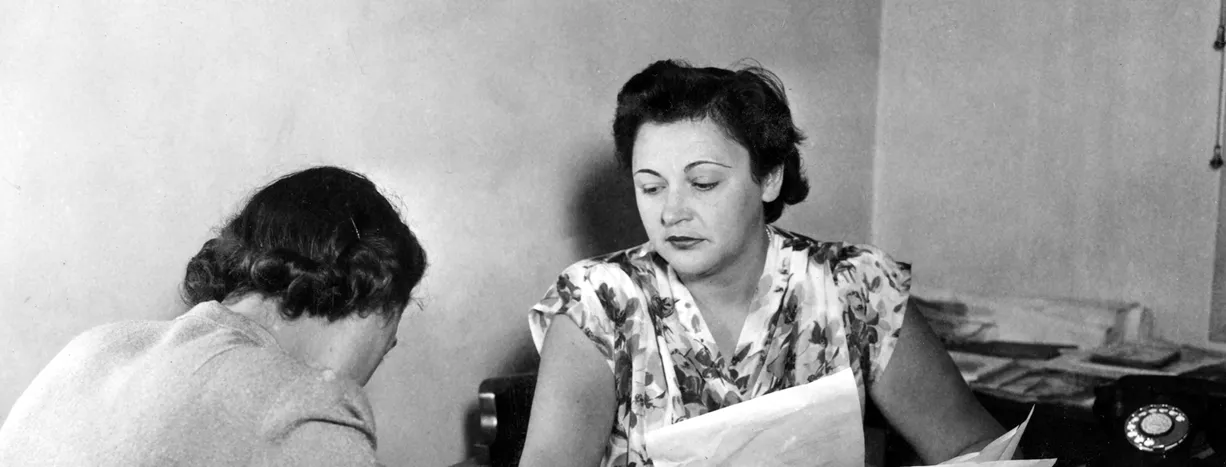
{"x": 324, "y": 241}
{"x": 749, "y": 104}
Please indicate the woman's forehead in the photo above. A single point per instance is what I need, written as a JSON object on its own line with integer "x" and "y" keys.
{"x": 684, "y": 144}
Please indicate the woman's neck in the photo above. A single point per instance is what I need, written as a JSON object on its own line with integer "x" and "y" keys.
{"x": 301, "y": 338}
{"x": 735, "y": 285}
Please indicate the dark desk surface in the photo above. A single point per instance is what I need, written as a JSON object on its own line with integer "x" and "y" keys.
{"x": 1069, "y": 434}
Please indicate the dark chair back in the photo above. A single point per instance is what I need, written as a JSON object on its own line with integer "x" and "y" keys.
{"x": 505, "y": 404}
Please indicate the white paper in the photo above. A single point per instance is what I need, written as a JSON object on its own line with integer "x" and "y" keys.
{"x": 816, "y": 424}
{"x": 1015, "y": 463}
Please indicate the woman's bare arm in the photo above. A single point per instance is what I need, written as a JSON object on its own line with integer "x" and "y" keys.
{"x": 925, "y": 399}
{"x": 574, "y": 405}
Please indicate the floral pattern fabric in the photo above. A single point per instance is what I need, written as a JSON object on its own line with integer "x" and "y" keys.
{"x": 820, "y": 308}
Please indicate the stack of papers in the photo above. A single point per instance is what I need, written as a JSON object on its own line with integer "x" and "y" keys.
{"x": 959, "y": 316}
{"x": 1027, "y": 380}
{"x": 1190, "y": 360}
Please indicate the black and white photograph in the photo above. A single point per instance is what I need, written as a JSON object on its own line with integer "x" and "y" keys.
{"x": 581, "y": 233}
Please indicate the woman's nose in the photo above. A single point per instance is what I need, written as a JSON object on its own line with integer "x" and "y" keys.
{"x": 676, "y": 208}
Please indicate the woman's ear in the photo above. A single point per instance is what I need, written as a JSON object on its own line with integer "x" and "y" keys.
{"x": 772, "y": 184}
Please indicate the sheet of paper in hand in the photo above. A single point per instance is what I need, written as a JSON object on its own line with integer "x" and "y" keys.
{"x": 815, "y": 425}
{"x": 1015, "y": 463}
{"x": 999, "y": 453}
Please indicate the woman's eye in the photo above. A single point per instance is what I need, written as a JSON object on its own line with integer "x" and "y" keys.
{"x": 650, "y": 190}
{"x": 704, "y": 186}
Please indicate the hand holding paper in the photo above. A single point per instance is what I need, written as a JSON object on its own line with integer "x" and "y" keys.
{"x": 1000, "y": 452}
{"x": 818, "y": 424}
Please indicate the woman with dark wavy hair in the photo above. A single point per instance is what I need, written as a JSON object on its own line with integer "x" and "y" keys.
{"x": 293, "y": 306}
{"x": 720, "y": 308}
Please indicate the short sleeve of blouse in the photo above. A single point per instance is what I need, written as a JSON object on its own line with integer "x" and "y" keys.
{"x": 876, "y": 289}
{"x": 576, "y": 295}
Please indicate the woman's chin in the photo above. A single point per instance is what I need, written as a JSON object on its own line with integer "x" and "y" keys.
{"x": 686, "y": 263}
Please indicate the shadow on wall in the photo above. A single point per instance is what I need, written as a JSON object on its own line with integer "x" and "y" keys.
{"x": 603, "y": 218}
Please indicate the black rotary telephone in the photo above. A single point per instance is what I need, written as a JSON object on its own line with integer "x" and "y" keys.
{"x": 1162, "y": 421}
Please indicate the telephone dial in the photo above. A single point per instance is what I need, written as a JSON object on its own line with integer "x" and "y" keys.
{"x": 1159, "y": 421}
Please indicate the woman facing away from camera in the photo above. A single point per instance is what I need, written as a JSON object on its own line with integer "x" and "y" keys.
{"x": 294, "y": 305}
{"x": 719, "y": 307}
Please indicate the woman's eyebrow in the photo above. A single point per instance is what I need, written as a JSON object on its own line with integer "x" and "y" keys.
{"x": 698, "y": 163}
{"x": 689, "y": 166}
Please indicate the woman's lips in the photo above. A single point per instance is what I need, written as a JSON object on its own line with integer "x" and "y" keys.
{"x": 682, "y": 242}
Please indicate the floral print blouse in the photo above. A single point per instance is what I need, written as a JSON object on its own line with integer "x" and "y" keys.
{"x": 820, "y": 308}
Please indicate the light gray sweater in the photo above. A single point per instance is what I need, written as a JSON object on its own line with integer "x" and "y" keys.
{"x": 208, "y": 388}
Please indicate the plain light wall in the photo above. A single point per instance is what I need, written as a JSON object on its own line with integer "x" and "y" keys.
{"x": 129, "y": 129}
{"x": 1053, "y": 148}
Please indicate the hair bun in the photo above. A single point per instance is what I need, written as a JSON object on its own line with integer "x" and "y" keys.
{"x": 366, "y": 273}
{"x": 274, "y": 271}
{"x": 321, "y": 291}
{"x": 206, "y": 274}
{"x": 302, "y": 283}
